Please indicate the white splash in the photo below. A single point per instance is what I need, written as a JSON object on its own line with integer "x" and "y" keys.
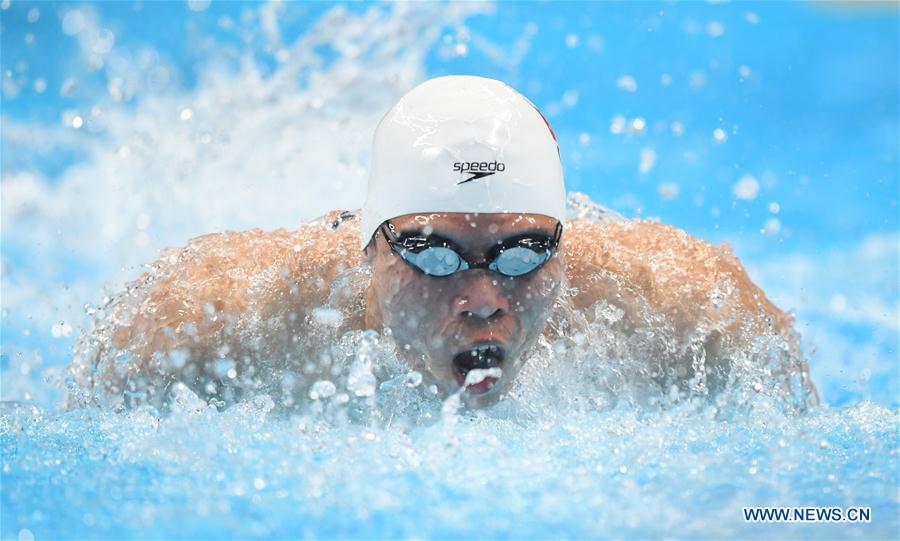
{"x": 206, "y": 159}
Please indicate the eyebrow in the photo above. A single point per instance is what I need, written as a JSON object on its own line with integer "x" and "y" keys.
{"x": 418, "y": 233}
{"x": 405, "y": 233}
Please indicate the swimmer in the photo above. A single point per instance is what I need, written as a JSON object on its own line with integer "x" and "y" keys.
{"x": 466, "y": 253}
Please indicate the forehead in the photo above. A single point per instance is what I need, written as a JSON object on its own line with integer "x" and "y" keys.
{"x": 460, "y": 224}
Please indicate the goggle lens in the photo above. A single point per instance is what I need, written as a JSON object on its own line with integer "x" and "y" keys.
{"x": 518, "y": 261}
{"x": 434, "y": 261}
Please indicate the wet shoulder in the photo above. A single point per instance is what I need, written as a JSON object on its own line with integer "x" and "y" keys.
{"x": 674, "y": 271}
{"x": 328, "y": 241}
{"x": 242, "y": 276}
{"x": 621, "y": 245}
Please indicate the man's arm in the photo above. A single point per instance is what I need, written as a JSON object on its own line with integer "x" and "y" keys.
{"x": 708, "y": 305}
{"x": 223, "y": 302}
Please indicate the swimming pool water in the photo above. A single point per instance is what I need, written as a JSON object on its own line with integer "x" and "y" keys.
{"x": 130, "y": 127}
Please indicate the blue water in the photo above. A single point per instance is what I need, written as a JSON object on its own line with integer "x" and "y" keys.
{"x": 130, "y": 127}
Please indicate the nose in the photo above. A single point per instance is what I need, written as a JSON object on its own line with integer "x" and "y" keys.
{"x": 480, "y": 297}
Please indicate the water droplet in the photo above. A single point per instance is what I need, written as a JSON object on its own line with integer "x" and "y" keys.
{"x": 648, "y": 160}
{"x": 322, "y": 389}
{"x": 627, "y": 83}
{"x": 73, "y": 22}
{"x": 68, "y": 87}
{"x": 772, "y": 226}
{"x": 638, "y": 125}
{"x": 715, "y": 29}
{"x": 61, "y": 330}
{"x": 668, "y": 190}
{"x": 198, "y": 5}
{"x": 413, "y": 379}
{"x": 747, "y": 188}
{"x": 697, "y": 79}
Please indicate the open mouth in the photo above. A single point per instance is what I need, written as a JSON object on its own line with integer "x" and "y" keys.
{"x": 478, "y": 368}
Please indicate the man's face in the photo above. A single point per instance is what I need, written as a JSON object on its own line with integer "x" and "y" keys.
{"x": 474, "y": 319}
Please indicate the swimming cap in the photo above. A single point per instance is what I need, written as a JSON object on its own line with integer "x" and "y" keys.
{"x": 463, "y": 144}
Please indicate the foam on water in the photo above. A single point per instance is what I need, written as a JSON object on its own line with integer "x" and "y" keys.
{"x": 588, "y": 444}
{"x": 569, "y": 472}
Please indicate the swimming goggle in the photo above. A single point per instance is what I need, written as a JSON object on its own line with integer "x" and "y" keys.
{"x": 437, "y": 256}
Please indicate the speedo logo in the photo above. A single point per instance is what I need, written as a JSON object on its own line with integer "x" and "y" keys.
{"x": 478, "y": 169}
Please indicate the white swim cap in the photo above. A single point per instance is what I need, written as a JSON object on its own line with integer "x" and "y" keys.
{"x": 463, "y": 144}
